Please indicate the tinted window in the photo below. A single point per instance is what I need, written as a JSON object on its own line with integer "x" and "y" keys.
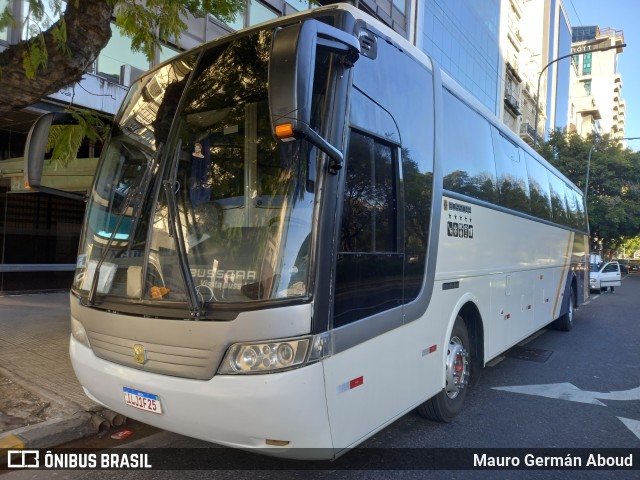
{"x": 513, "y": 186}
{"x": 411, "y": 113}
{"x": 572, "y": 208}
{"x": 558, "y": 200}
{"x": 368, "y": 220}
{"x": 469, "y": 166}
{"x": 369, "y": 264}
{"x": 538, "y": 188}
{"x": 582, "y": 216}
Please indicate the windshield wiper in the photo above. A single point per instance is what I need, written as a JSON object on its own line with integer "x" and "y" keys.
{"x": 195, "y": 307}
{"x": 138, "y": 193}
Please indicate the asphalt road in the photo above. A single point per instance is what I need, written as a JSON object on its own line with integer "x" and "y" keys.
{"x": 562, "y": 390}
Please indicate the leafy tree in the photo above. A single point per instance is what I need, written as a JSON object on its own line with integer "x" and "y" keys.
{"x": 58, "y": 53}
{"x": 631, "y": 245}
{"x": 613, "y": 197}
{"x": 66, "y": 38}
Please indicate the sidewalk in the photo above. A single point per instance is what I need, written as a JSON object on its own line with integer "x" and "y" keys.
{"x": 41, "y": 403}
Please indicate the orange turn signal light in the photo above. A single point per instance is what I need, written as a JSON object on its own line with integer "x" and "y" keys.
{"x": 284, "y": 131}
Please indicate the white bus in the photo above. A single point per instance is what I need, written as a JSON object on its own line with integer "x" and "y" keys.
{"x": 302, "y": 231}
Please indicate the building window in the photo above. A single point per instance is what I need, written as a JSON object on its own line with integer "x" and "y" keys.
{"x": 166, "y": 52}
{"x": 575, "y": 61}
{"x": 586, "y": 64}
{"x": 259, "y": 13}
{"x": 118, "y": 53}
{"x": 587, "y": 87}
{"x": 299, "y": 5}
{"x": 4, "y": 32}
{"x": 464, "y": 41}
{"x": 400, "y": 5}
{"x": 237, "y": 23}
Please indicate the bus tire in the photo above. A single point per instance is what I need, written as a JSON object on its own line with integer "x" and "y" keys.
{"x": 449, "y": 402}
{"x": 565, "y": 322}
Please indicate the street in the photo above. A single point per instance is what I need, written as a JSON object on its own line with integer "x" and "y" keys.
{"x": 560, "y": 390}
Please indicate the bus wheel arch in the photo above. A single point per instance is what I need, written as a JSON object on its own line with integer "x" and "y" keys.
{"x": 462, "y": 365}
{"x": 565, "y": 322}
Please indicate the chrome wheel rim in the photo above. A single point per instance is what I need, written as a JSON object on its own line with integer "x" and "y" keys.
{"x": 457, "y": 374}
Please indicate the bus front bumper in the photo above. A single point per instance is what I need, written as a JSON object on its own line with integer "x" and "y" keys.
{"x": 248, "y": 411}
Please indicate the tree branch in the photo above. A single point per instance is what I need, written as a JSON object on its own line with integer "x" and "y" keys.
{"x": 88, "y": 31}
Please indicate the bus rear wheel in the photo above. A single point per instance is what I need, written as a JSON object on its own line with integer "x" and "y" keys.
{"x": 565, "y": 322}
{"x": 449, "y": 402}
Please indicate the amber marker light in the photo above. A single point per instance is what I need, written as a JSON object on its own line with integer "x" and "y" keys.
{"x": 284, "y": 131}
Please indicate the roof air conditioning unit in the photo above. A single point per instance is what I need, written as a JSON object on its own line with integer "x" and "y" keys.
{"x": 129, "y": 74}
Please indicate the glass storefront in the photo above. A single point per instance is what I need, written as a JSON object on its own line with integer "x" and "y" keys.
{"x": 39, "y": 235}
{"x": 462, "y": 36}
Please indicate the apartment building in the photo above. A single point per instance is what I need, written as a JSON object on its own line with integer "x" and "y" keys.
{"x": 535, "y": 35}
{"x": 597, "y": 105}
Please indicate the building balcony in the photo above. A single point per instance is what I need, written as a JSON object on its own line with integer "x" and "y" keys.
{"x": 515, "y": 36}
{"x": 513, "y": 69}
{"x": 618, "y": 80}
{"x": 517, "y": 7}
{"x": 586, "y": 105}
{"x": 528, "y": 133}
{"x": 512, "y": 104}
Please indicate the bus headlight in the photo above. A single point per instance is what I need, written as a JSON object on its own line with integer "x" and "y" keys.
{"x": 275, "y": 355}
{"x": 79, "y": 333}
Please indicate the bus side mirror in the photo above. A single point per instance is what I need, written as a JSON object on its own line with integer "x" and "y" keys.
{"x": 36, "y": 144}
{"x": 291, "y": 75}
{"x": 34, "y": 152}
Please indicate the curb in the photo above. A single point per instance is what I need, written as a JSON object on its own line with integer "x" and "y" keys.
{"x": 50, "y": 433}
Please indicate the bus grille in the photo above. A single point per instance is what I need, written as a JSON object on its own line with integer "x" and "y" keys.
{"x": 178, "y": 361}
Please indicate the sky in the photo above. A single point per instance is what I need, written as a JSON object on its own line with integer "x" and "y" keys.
{"x": 619, "y": 15}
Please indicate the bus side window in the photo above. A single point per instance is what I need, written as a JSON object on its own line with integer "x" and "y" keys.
{"x": 572, "y": 208}
{"x": 538, "y": 188}
{"x": 582, "y": 215}
{"x": 513, "y": 186}
{"x": 468, "y": 152}
{"x": 558, "y": 200}
{"x": 369, "y": 261}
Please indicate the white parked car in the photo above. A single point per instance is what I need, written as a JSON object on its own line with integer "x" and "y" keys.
{"x": 608, "y": 275}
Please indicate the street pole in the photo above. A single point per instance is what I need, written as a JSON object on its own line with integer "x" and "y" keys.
{"x": 602, "y": 49}
{"x": 586, "y": 182}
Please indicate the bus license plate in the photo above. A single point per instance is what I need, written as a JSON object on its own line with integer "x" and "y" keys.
{"x": 142, "y": 400}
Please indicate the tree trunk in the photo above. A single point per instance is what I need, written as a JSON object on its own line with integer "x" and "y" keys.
{"x": 88, "y": 31}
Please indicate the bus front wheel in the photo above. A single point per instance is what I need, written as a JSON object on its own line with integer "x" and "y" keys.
{"x": 449, "y": 402}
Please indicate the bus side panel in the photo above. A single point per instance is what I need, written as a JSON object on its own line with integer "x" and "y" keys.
{"x": 375, "y": 382}
{"x": 543, "y": 298}
{"x": 518, "y": 267}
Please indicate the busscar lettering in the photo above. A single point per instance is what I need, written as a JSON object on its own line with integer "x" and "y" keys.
{"x": 458, "y": 207}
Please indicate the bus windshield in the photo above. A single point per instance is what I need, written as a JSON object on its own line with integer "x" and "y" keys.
{"x": 244, "y": 202}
